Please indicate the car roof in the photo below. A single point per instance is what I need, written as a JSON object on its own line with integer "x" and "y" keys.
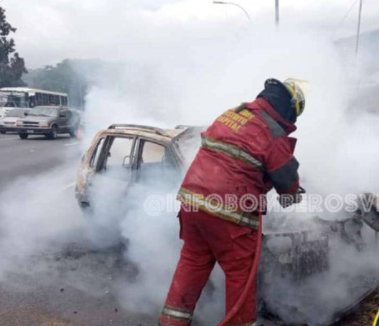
{"x": 145, "y": 131}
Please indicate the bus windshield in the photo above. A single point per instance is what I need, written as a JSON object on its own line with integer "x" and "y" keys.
{"x": 13, "y": 100}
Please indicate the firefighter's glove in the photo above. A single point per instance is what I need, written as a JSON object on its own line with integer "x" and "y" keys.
{"x": 287, "y": 200}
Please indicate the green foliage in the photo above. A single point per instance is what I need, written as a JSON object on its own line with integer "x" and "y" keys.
{"x": 60, "y": 78}
{"x": 12, "y": 66}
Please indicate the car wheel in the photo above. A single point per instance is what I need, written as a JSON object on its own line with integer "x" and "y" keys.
{"x": 23, "y": 136}
{"x": 54, "y": 132}
{"x": 73, "y": 132}
{"x": 3, "y": 132}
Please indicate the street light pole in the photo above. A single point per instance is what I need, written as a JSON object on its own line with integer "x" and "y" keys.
{"x": 358, "y": 27}
{"x": 277, "y": 13}
{"x": 233, "y": 4}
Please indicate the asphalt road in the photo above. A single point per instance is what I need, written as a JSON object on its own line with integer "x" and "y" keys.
{"x": 35, "y": 155}
{"x": 68, "y": 283}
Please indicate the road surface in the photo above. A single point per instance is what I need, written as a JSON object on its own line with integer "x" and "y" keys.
{"x": 34, "y": 156}
{"x": 70, "y": 284}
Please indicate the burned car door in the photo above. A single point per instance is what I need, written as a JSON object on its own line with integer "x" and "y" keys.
{"x": 114, "y": 165}
{"x": 154, "y": 161}
{"x": 116, "y": 154}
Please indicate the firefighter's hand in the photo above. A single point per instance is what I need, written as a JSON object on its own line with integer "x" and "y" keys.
{"x": 287, "y": 200}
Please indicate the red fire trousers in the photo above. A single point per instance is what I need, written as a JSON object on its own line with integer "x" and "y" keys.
{"x": 207, "y": 240}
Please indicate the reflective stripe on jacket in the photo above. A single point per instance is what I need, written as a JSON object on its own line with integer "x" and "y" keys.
{"x": 213, "y": 207}
{"x": 230, "y": 150}
{"x": 246, "y": 151}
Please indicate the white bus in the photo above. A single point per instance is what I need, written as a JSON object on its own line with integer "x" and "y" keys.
{"x": 24, "y": 97}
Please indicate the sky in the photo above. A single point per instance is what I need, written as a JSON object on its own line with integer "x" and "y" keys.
{"x": 52, "y": 30}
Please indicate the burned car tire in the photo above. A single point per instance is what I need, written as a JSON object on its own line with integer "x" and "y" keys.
{"x": 54, "y": 132}
{"x": 23, "y": 136}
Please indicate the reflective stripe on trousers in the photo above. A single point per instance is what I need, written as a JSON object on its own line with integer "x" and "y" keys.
{"x": 174, "y": 316}
{"x": 230, "y": 150}
{"x": 215, "y": 208}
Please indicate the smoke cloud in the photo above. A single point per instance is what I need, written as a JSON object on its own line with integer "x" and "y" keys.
{"x": 194, "y": 87}
{"x": 190, "y": 78}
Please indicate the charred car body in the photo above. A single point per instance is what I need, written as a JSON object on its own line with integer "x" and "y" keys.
{"x": 48, "y": 121}
{"x": 133, "y": 153}
{"x": 316, "y": 271}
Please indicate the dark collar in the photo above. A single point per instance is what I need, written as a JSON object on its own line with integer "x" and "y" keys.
{"x": 263, "y": 104}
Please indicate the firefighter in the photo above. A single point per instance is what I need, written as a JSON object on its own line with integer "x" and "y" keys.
{"x": 244, "y": 153}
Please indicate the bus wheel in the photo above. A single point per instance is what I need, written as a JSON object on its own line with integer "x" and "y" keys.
{"x": 23, "y": 136}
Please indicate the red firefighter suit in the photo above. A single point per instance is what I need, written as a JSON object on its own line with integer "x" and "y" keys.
{"x": 244, "y": 153}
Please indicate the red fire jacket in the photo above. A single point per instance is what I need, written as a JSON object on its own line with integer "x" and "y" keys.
{"x": 244, "y": 153}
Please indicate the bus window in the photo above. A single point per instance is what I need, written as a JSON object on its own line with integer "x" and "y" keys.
{"x": 64, "y": 100}
{"x": 45, "y": 99}
{"x": 51, "y": 99}
{"x": 33, "y": 101}
{"x": 38, "y": 99}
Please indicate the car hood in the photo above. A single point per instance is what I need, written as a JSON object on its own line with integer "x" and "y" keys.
{"x": 11, "y": 119}
{"x": 37, "y": 118}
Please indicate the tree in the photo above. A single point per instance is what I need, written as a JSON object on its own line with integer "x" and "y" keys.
{"x": 12, "y": 66}
{"x": 64, "y": 77}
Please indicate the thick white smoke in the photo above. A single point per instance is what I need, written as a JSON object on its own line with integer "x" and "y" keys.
{"x": 191, "y": 80}
{"x": 36, "y": 215}
{"x": 195, "y": 86}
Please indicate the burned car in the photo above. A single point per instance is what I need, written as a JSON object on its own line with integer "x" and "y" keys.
{"x": 131, "y": 153}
